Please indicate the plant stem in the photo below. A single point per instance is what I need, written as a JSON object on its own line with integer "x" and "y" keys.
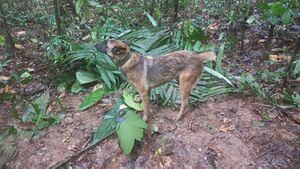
{"x": 175, "y": 3}
{"x": 8, "y": 38}
{"x": 270, "y": 36}
{"x": 152, "y": 7}
{"x": 57, "y": 17}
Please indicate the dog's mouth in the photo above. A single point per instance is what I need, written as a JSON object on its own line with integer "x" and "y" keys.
{"x": 101, "y": 46}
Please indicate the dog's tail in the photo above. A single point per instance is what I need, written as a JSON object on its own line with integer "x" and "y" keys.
{"x": 209, "y": 55}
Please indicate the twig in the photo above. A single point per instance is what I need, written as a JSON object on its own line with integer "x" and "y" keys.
{"x": 78, "y": 154}
{"x": 264, "y": 105}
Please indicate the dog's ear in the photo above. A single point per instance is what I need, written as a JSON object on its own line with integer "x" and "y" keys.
{"x": 118, "y": 50}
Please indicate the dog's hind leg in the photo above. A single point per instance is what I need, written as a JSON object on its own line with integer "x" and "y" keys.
{"x": 187, "y": 80}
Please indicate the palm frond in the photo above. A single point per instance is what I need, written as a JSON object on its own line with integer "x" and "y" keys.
{"x": 157, "y": 42}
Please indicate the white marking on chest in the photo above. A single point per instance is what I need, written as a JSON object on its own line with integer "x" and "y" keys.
{"x": 148, "y": 62}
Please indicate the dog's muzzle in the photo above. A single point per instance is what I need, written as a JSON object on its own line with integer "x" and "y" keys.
{"x": 101, "y": 46}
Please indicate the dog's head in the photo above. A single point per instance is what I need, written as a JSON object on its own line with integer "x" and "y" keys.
{"x": 117, "y": 50}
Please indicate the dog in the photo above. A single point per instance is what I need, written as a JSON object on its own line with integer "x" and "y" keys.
{"x": 145, "y": 73}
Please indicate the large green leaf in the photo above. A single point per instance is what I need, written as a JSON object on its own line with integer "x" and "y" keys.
{"x": 84, "y": 77}
{"x": 134, "y": 119}
{"x": 39, "y": 103}
{"x": 35, "y": 112}
{"x": 129, "y": 130}
{"x": 93, "y": 98}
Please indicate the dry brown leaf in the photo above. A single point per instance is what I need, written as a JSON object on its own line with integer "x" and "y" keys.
{"x": 8, "y": 89}
{"x": 21, "y": 33}
{"x": 261, "y": 40}
{"x": 213, "y": 26}
{"x": 49, "y": 109}
{"x": 279, "y": 58}
{"x": 30, "y": 69}
{"x": 226, "y": 129}
{"x": 97, "y": 86}
{"x": 4, "y": 78}
{"x": 19, "y": 46}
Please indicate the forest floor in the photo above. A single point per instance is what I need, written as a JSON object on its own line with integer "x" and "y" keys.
{"x": 223, "y": 132}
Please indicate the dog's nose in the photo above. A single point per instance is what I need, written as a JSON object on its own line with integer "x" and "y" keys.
{"x": 101, "y": 46}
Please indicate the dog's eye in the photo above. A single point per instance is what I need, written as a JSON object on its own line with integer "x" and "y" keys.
{"x": 118, "y": 50}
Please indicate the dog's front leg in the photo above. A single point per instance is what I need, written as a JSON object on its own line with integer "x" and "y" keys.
{"x": 145, "y": 99}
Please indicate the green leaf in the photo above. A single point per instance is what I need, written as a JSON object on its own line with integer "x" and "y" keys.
{"x": 273, "y": 20}
{"x": 250, "y": 19}
{"x": 126, "y": 139}
{"x": 296, "y": 69}
{"x": 247, "y": 80}
{"x": 131, "y": 129}
{"x": 168, "y": 95}
{"x": 35, "y": 113}
{"x": 296, "y": 99}
{"x": 105, "y": 78}
{"x": 25, "y": 75}
{"x": 250, "y": 80}
{"x": 76, "y": 87}
{"x": 263, "y": 5}
{"x": 151, "y": 19}
{"x": 6, "y": 96}
{"x": 129, "y": 100}
{"x": 217, "y": 74}
{"x": 79, "y": 5}
{"x": 135, "y": 119}
{"x": 84, "y": 77}
{"x": 43, "y": 101}
{"x": 2, "y": 40}
{"x": 93, "y": 98}
{"x": 277, "y": 9}
{"x": 109, "y": 122}
{"x": 286, "y": 17}
{"x": 61, "y": 87}
{"x": 94, "y": 4}
{"x": 219, "y": 59}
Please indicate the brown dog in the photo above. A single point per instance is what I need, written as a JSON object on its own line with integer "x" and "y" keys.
{"x": 145, "y": 73}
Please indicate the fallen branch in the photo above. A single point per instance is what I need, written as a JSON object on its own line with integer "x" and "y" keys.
{"x": 79, "y": 153}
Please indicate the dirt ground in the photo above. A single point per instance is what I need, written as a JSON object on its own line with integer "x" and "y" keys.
{"x": 225, "y": 132}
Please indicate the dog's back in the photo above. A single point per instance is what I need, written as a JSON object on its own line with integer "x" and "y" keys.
{"x": 160, "y": 70}
{"x": 201, "y": 56}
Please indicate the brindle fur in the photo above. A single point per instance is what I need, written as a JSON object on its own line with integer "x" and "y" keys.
{"x": 145, "y": 73}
